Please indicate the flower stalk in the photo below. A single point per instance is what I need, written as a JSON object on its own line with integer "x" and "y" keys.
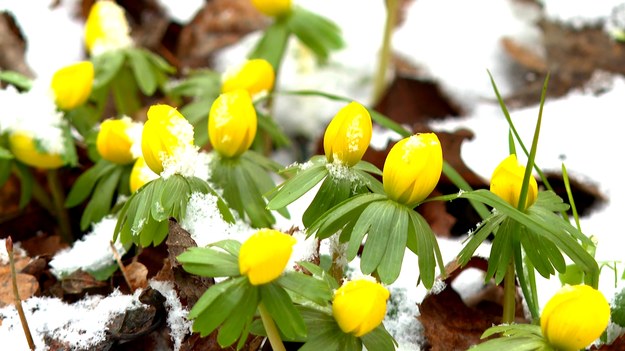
{"x": 385, "y": 51}
{"x": 58, "y": 199}
{"x": 509, "y": 295}
{"x": 270, "y": 327}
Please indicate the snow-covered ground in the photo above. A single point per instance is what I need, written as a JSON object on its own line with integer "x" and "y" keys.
{"x": 455, "y": 42}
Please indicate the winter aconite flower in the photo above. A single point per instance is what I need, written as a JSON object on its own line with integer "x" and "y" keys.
{"x": 72, "y": 85}
{"x": 273, "y": 8}
{"x": 140, "y": 175}
{"x": 232, "y": 123}
{"x": 348, "y": 135}
{"x": 359, "y": 306}
{"x": 24, "y": 149}
{"x": 412, "y": 168}
{"x": 116, "y": 139}
{"x": 166, "y": 133}
{"x": 507, "y": 180}
{"x": 106, "y": 28}
{"x": 255, "y": 76}
{"x": 574, "y": 317}
{"x": 264, "y": 255}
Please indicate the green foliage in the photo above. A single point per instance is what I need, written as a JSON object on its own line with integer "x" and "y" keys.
{"x": 16, "y": 79}
{"x": 514, "y": 337}
{"x": 618, "y": 309}
{"x": 102, "y": 182}
{"x": 244, "y": 180}
{"x": 143, "y": 219}
{"x": 390, "y": 228}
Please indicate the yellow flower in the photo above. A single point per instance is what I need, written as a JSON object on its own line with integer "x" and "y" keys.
{"x": 140, "y": 175}
{"x": 359, "y": 306}
{"x": 264, "y": 255}
{"x": 348, "y": 135}
{"x": 412, "y": 168}
{"x": 232, "y": 123}
{"x": 507, "y": 179}
{"x": 72, "y": 85}
{"x": 273, "y": 8}
{"x": 106, "y": 28}
{"x": 23, "y": 148}
{"x": 574, "y": 317}
{"x": 255, "y": 76}
{"x": 115, "y": 140}
{"x": 165, "y": 133}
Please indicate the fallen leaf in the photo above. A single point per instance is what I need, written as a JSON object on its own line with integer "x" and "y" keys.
{"x": 27, "y": 287}
{"x": 450, "y": 323}
{"x": 137, "y": 275}
{"x": 81, "y": 282}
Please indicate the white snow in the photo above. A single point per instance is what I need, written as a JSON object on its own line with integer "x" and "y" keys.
{"x": 177, "y": 321}
{"x": 82, "y": 325}
{"x": 91, "y": 253}
{"x": 455, "y": 42}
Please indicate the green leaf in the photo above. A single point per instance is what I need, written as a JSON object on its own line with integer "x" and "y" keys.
{"x": 17, "y": 79}
{"x": 320, "y": 273}
{"x": 272, "y": 44}
{"x": 106, "y": 67}
{"x": 377, "y": 239}
{"x": 5, "y": 154}
{"x": 313, "y": 289}
{"x": 237, "y": 323}
{"x": 142, "y": 70}
{"x": 332, "y": 192}
{"x": 83, "y": 186}
{"x": 208, "y": 262}
{"x": 501, "y": 250}
{"x": 379, "y": 339}
{"x": 618, "y": 309}
{"x": 104, "y": 273}
{"x": 487, "y": 227}
{"x": 100, "y": 204}
{"x": 297, "y": 186}
{"x": 6, "y": 166}
{"x": 275, "y": 131}
{"x": 316, "y": 32}
{"x": 281, "y": 309}
{"x": 251, "y": 196}
{"x": 230, "y": 246}
{"x": 428, "y": 251}
{"x": 125, "y": 92}
{"x": 341, "y": 214}
{"x": 391, "y": 263}
{"x": 217, "y": 304}
{"x": 361, "y": 227}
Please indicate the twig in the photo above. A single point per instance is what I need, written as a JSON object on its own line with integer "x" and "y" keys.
{"x": 122, "y": 268}
{"x": 16, "y": 294}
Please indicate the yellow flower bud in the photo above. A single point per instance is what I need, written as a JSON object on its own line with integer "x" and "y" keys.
{"x": 72, "y": 85}
{"x": 273, "y": 8}
{"x": 574, "y": 317}
{"x": 115, "y": 140}
{"x": 140, "y": 175}
{"x": 359, "y": 306}
{"x": 348, "y": 135}
{"x": 412, "y": 168}
{"x": 255, "y": 76}
{"x": 232, "y": 123}
{"x": 165, "y": 133}
{"x": 106, "y": 28}
{"x": 264, "y": 255}
{"x": 507, "y": 180}
{"x": 23, "y": 147}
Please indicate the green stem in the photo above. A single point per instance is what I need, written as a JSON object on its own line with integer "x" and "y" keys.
{"x": 58, "y": 197}
{"x": 272, "y": 331}
{"x": 338, "y": 257}
{"x": 379, "y": 83}
{"x": 509, "y": 295}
